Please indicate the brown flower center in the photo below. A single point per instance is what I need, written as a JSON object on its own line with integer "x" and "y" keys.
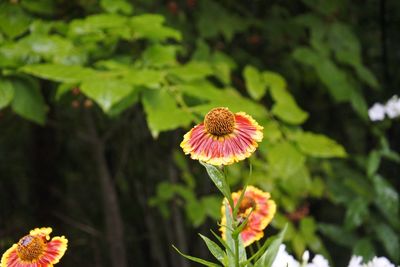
{"x": 30, "y": 248}
{"x": 219, "y": 121}
{"x": 245, "y": 204}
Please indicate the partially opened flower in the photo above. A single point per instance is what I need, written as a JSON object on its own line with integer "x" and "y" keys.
{"x": 223, "y": 138}
{"x": 35, "y": 250}
{"x": 257, "y": 206}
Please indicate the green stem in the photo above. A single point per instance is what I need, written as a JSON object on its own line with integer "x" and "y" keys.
{"x": 236, "y": 237}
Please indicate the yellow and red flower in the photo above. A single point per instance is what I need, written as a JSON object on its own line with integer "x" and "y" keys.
{"x": 257, "y": 206}
{"x": 35, "y": 250}
{"x": 223, "y": 138}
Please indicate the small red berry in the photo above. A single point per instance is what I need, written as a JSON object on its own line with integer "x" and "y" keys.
{"x": 191, "y": 3}
{"x": 88, "y": 103}
{"x": 254, "y": 39}
{"x": 75, "y": 104}
{"x": 173, "y": 7}
{"x": 76, "y": 91}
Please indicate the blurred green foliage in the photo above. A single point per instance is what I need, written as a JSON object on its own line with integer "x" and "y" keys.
{"x": 298, "y": 68}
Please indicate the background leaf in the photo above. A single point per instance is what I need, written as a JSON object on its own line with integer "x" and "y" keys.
{"x": 28, "y": 101}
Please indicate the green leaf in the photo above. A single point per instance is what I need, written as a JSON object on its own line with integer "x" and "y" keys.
{"x": 215, "y": 20}
{"x": 215, "y": 250}
{"x": 54, "y": 48}
{"x": 306, "y": 56}
{"x": 150, "y": 26}
{"x": 255, "y": 83}
{"x": 146, "y": 77}
{"x": 345, "y": 44}
{"x": 335, "y": 80}
{"x": 386, "y": 198}
{"x": 160, "y": 55}
{"x": 308, "y": 227}
{"x": 274, "y": 81}
{"x": 298, "y": 183}
{"x": 195, "y": 212}
{"x": 62, "y": 89}
{"x": 162, "y": 112}
{"x": 318, "y": 145}
{"x": 102, "y": 21}
{"x": 365, "y": 248}
{"x": 285, "y": 106}
{"x": 106, "y": 92}
{"x": 367, "y": 76}
{"x": 28, "y": 102}
{"x": 13, "y": 20}
{"x": 212, "y": 206}
{"x": 125, "y": 103}
{"x": 115, "y": 6}
{"x": 390, "y": 240}
{"x": 338, "y": 234}
{"x": 192, "y": 71}
{"x": 6, "y": 92}
{"x": 230, "y": 238}
{"x": 272, "y": 131}
{"x": 284, "y": 159}
{"x": 219, "y": 179}
{"x": 359, "y": 104}
{"x": 356, "y": 213}
{"x": 198, "y": 260}
{"x": 269, "y": 255}
{"x": 299, "y": 244}
{"x": 373, "y": 162}
{"x": 41, "y": 7}
{"x": 325, "y": 7}
{"x": 59, "y": 73}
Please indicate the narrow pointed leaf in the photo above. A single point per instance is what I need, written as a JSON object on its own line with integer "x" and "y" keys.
{"x": 198, "y": 260}
{"x": 217, "y": 252}
{"x": 219, "y": 180}
{"x": 268, "y": 257}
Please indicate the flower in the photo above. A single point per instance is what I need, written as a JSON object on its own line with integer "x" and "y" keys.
{"x": 392, "y": 107}
{"x": 223, "y": 138}
{"x": 258, "y": 207}
{"x": 318, "y": 261}
{"x": 379, "y": 262}
{"x": 35, "y": 250}
{"x": 355, "y": 261}
{"x": 284, "y": 259}
{"x": 376, "y": 112}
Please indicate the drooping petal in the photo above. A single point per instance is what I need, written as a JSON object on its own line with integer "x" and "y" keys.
{"x": 10, "y": 257}
{"x": 258, "y": 207}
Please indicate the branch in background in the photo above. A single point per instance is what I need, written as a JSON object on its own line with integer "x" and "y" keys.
{"x": 156, "y": 250}
{"x": 78, "y": 225}
{"x": 113, "y": 219}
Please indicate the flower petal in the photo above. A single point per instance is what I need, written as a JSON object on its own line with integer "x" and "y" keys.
{"x": 55, "y": 249}
{"x": 44, "y": 232}
{"x": 10, "y": 257}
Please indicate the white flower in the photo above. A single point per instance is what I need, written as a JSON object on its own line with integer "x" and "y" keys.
{"x": 306, "y": 256}
{"x": 392, "y": 107}
{"x": 355, "y": 261}
{"x": 318, "y": 261}
{"x": 283, "y": 259}
{"x": 379, "y": 262}
{"x": 377, "y": 112}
